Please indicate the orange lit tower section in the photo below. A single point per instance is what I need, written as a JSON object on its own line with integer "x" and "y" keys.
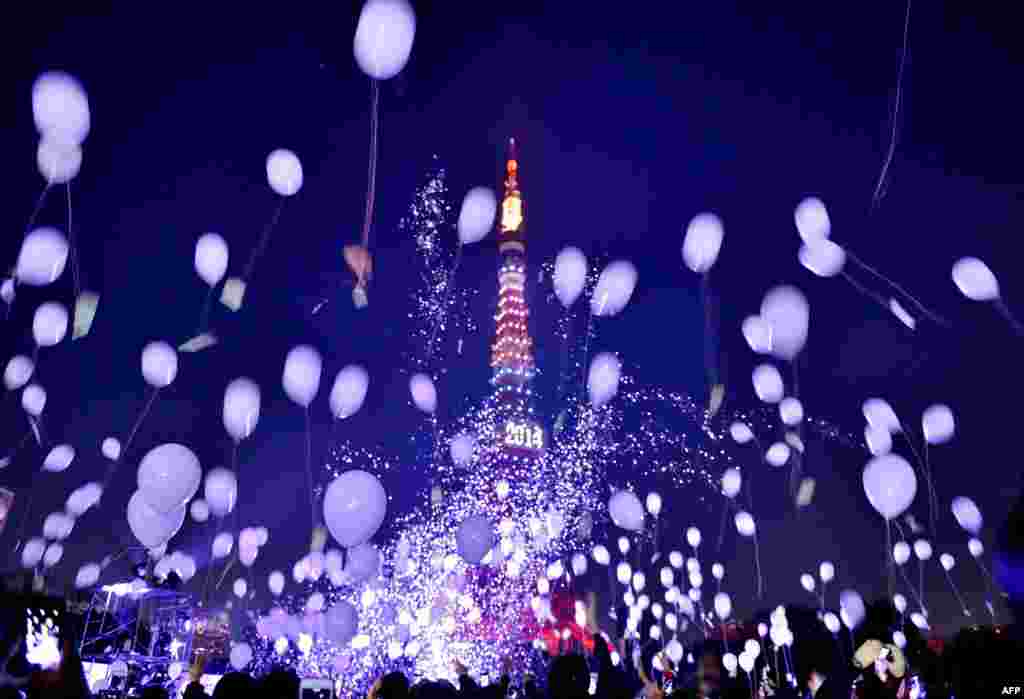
{"x": 512, "y": 351}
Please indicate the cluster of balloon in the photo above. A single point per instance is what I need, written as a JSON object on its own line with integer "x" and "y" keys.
{"x": 168, "y": 477}
{"x": 211, "y": 264}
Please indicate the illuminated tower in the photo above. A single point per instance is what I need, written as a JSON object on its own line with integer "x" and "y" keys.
{"x": 512, "y": 351}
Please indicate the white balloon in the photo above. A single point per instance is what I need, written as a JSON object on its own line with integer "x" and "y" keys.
{"x": 341, "y": 623}
{"x": 890, "y": 484}
{"x": 729, "y": 662}
{"x": 7, "y": 291}
{"x": 33, "y": 399}
{"x": 823, "y": 258}
{"x": 603, "y": 379}
{"x": 832, "y": 622}
{"x": 693, "y": 537}
{"x": 241, "y": 408}
{"x": 938, "y": 424}
{"x": 424, "y": 395}
{"x": 384, "y": 37}
{"x": 349, "y": 391}
{"x": 222, "y": 545}
{"x": 900, "y": 602}
{"x": 758, "y": 334}
{"x": 87, "y": 576}
{"x": 920, "y": 620}
{"x": 967, "y": 515}
{"x": 199, "y": 510}
{"x": 111, "y": 448}
{"x": 159, "y": 364}
{"x": 354, "y": 507}
{"x": 363, "y": 562}
{"x": 879, "y": 440}
{"x": 614, "y": 288}
{"x": 975, "y": 280}
{"x": 807, "y": 582}
{"x": 812, "y": 220}
{"x": 32, "y": 552}
{"x": 702, "y": 242}
{"x": 623, "y": 572}
{"x": 240, "y": 587}
{"x": 60, "y": 107}
{"x": 83, "y": 498}
{"x": 899, "y": 638}
{"x": 777, "y": 454}
{"x": 476, "y": 218}
{"x": 54, "y": 552}
{"x": 284, "y": 172}
{"x": 901, "y": 552}
{"x": 717, "y": 571}
{"x": 723, "y": 606}
{"x": 791, "y": 411}
{"x": 275, "y": 581}
{"x": 169, "y": 476}
{"x": 975, "y": 547}
{"x": 947, "y": 562}
{"x": 301, "y": 379}
{"x": 211, "y": 259}
{"x": 570, "y": 275}
{"x": 768, "y": 383}
{"x": 826, "y": 571}
{"x": 241, "y": 653}
{"x": 151, "y": 528}
{"x": 880, "y": 414}
{"x": 42, "y": 258}
{"x": 18, "y": 371}
{"x": 59, "y": 161}
{"x": 59, "y": 458}
{"x": 462, "y": 447}
{"x": 745, "y": 523}
{"x": 601, "y": 555}
{"x": 654, "y": 503}
{"x": 57, "y": 526}
{"x": 785, "y": 308}
{"x": 626, "y": 511}
{"x": 220, "y": 491}
{"x": 740, "y": 432}
{"x": 50, "y": 324}
{"x": 746, "y": 661}
{"x": 579, "y": 564}
{"x": 852, "y": 606}
{"x": 732, "y": 481}
{"x": 922, "y": 549}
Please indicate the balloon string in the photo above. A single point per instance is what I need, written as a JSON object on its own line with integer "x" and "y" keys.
{"x": 710, "y": 355}
{"x": 73, "y": 246}
{"x": 131, "y": 436}
{"x": 309, "y": 471}
{"x": 1004, "y": 311}
{"x": 921, "y": 307}
{"x": 204, "y": 312}
{"x": 757, "y": 544}
{"x": 959, "y": 598}
{"x": 920, "y": 582}
{"x": 38, "y": 207}
{"x": 932, "y": 493}
{"x": 924, "y": 470}
{"x": 910, "y": 585}
{"x": 888, "y": 557}
{"x": 261, "y": 246}
{"x": 371, "y": 175}
{"x": 878, "y": 194}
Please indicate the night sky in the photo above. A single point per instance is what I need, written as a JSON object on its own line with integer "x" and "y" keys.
{"x": 631, "y": 119}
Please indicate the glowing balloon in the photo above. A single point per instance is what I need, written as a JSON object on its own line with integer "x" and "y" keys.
{"x": 758, "y": 334}
{"x": 474, "y": 538}
{"x": 7, "y": 291}
{"x": 601, "y": 555}
{"x": 745, "y": 523}
{"x": 901, "y": 552}
{"x": 59, "y": 458}
{"x": 579, "y": 564}
{"x": 654, "y": 503}
{"x": 111, "y": 448}
{"x": 746, "y": 661}
{"x": 900, "y": 639}
{"x": 87, "y": 576}
{"x": 791, "y": 411}
{"x": 693, "y": 537}
{"x": 240, "y": 587}
{"x": 18, "y": 371}
{"x": 159, "y": 364}
{"x": 150, "y": 527}
{"x": 603, "y": 379}
{"x": 975, "y": 547}
{"x": 222, "y": 545}
{"x": 284, "y": 172}
{"x": 570, "y": 275}
{"x": 32, "y": 552}
{"x": 211, "y": 259}
{"x": 975, "y": 280}
{"x": 60, "y": 107}
{"x": 476, "y": 218}
{"x": 626, "y": 511}
{"x": 54, "y": 552}
{"x": 57, "y": 526}
{"x": 44, "y": 252}
{"x": 623, "y": 573}
{"x": 384, "y": 37}
{"x": 241, "y": 653}
{"x": 729, "y": 662}
{"x": 740, "y": 432}
{"x": 768, "y": 383}
{"x": 879, "y": 440}
{"x": 354, "y": 507}
{"x": 967, "y": 515}
{"x": 168, "y": 477}
{"x": 947, "y": 562}
{"x": 199, "y": 510}
{"x": 702, "y": 242}
{"x": 614, "y": 288}
{"x": 922, "y": 549}
{"x": 50, "y": 324}
{"x": 807, "y": 582}
{"x": 275, "y": 581}
{"x": 349, "y": 391}
{"x": 220, "y": 491}
{"x": 33, "y": 399}
{"x": 823, "y": 258}
{"x": 241, "y": 408}
{"x": 59, "y": 162}
{"x": 812, "y": 220}
{"x": 852, "y": 606}
{"x": 890, "y": 484}
{"x": 938, "y": 424}
{"x": 723, "y": 605}
{"x": 826, "y": 571}
{"x": 301, "y": 380}
{"x": 777, "y": 454}
{"x": 832, "y": 622}
{"x": 341, "y": 623}
{"x": 785, "y": 308}
{"x": 83, "y": 498}
{"x": 424, "y": 395}
{"x": 879, "y": 414}
{"x": 362, "y": 563}
{"x": 462, "y": 447}
{"x": 732, "y": 481}
{"x": 717, "y": 571}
